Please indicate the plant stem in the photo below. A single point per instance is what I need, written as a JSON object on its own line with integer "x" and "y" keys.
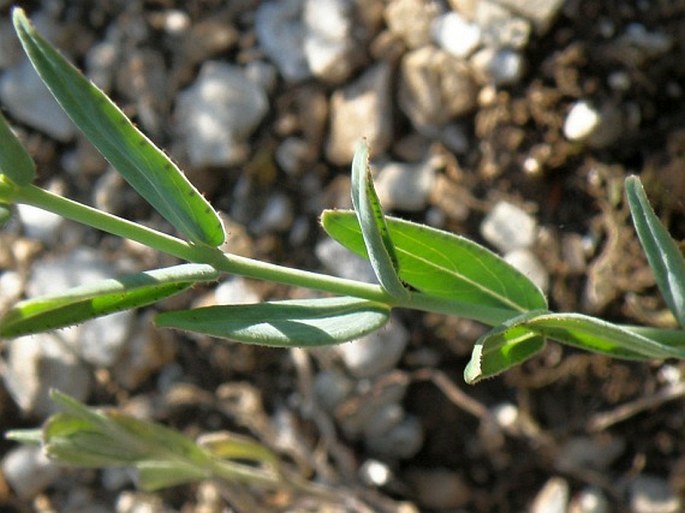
{"x": 179, "y": 248}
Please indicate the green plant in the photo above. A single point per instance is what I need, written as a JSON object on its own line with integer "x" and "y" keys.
{"x": 417, "y": 267}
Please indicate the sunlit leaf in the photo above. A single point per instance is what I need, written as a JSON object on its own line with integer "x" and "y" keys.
{"x": 104, "y": 297}
{"x": 140, "y": 162}
{"x": 663, "y": 254}
{"x": 503, "y": 347}
{"x": 445, "y": 265}
{"x": 377, "y": 239}
{"x": 290, "y": 323}
{"x": 15, "y": 161}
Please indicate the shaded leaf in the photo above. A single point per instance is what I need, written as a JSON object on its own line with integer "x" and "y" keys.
{"x": 663, "y": 254}
{"x": 377, "y": 239}
{"x": 290, "y": 323}
{"x": 445, "y": 265}
{"x": 503, "y": 347}
{"x": 15, "y": 161}
{"x": 140, "y": 162}
{"x": 101, "y": 298}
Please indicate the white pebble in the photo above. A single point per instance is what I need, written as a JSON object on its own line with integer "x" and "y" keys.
{"x": 454, "y": 34}
{"x": 581, "y": 121}
{"x": 508, "y": 227}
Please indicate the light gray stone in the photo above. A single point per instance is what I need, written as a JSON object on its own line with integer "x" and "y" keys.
{"x": 28, "y": 470}
{"x": 597, "y": 126}
{"x": 541, "y": 13}
{"x": 652, "y": 494}
{"x": 27, "y": 99}
{"x": 401, "y": 442}
{"x": 35, "y": 365}
{"x": 435, "y": 87}
{"x": 280, "y": 32}
{"x": 293, "y": 154}
{"x": 375, "y": 353}
{"x": 500, "y": 27}
{"x": 328, "y": 43}
{"x": 530, "y": 266}
{"x": 500, "y": 67}
{"x": 332, "y": 387}
{"x": 586, "y": 453}
{"x": 362, "y": 108}
{"x": 235, "y": 290}
{"x": 508, "y": 227}
{"x": 277, "y": 215}
{"x": 40, "y": 224}
{"x": 455, "y": 34}
{"x": 343, "y": 262}
{"x": 552, "y": 498}
{"x": 590, "y": 500}
{"x": 217, "y": 114}
{"x": 405, "y": 186}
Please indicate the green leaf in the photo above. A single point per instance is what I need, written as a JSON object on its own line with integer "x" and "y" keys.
{"x": 664, "y": 256}
{"x": 306, "y": 322}
{"x": 600, "y": 336}
{"x": 445, "y": 265}
{"x": 15, "y": 161}
{"x": 377, "y": 239}
{"x": 140, "y": 162}
{"x": 156, "y": 475}
{"x": 101, "y": 298}
{"x": 5, "y": 214}
{"x": 503, "y": 347}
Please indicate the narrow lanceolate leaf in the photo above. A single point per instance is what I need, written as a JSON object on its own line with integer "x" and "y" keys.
{"x": 101, "y": 298}
{"x": 290, "y": 323}
{"x": 377, "y": 239}
{"x": 444, "y": 265}
{"x": 503, "y": 347}
{"x": 140, "y": 162}
{"x": 15, "y": 161}
{"x": 599, "y": 336}
{"x": 519, "y": 338}
{"x": 664, "y": 256}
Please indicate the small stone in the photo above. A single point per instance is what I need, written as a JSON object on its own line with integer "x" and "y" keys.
{"x": 262, "y": 73}
{"x": 508, "y": 227}
{"x": 11, "y": 287}
{"x": 361, "y": 109}
{"x": 328, "y": 44}
{"x": 40, "y": 224}
{"x": 343, "y": 262}
{"x": 435, "y": 87}
{"x": 217, "y": 114}
{"x": 332, "y": 387}
{"x": 552, "y": 498}
{"x": 581, "y": 121}
{"x": 500, "y": 67}
{"x": 280, "y": 32}
{"x": 140, "y": 502}
{"x": 293, "y": 155}
{"x": 101, "y": 61}
{"x": 375, "y": 473}
{"x": 530, "y": 266}
{"x": 500, "y": 27}
{"x": 652, "y": 494}
{"x": 439, "y": 489}
{"x": 581, "y": 453}
{"x": 455, "y": 34}
{"x": 402, "y": 441}
{"x": 29, "y": 471}
{"x": 375, "y": 353}
{"x": 411, "y": 20}
{"x": 405, "y": 186}
{"x": 384, "y": 420}
{"x": 598, "y": 127}
{"x": 277, "y": 216}
{"x": 541, "y": 13}
{"x": 38, "y": 363}
{"x": 27, "y": 99}
{"x": 589, "y": 500}
{"x": 235, "y": 290}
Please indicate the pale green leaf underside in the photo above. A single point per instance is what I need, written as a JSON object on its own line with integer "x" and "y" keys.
{"x": 290, "y": 323}
{"x": 140, "y": 162}
{"x": 445, "y": 265}
{"x": 101, "y": 298}
{"x": 15, "y": 161}
{"x": 664, "y": 256}
{"x": 378, "y": 242}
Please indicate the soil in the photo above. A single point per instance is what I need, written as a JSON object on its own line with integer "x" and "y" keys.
{"x": 574, "y": 192}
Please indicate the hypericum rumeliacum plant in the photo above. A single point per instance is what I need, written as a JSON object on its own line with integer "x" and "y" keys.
{"x": 417, "y": 267}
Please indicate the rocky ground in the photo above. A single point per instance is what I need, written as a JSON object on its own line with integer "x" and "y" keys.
{"x": 513, "y": 122}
